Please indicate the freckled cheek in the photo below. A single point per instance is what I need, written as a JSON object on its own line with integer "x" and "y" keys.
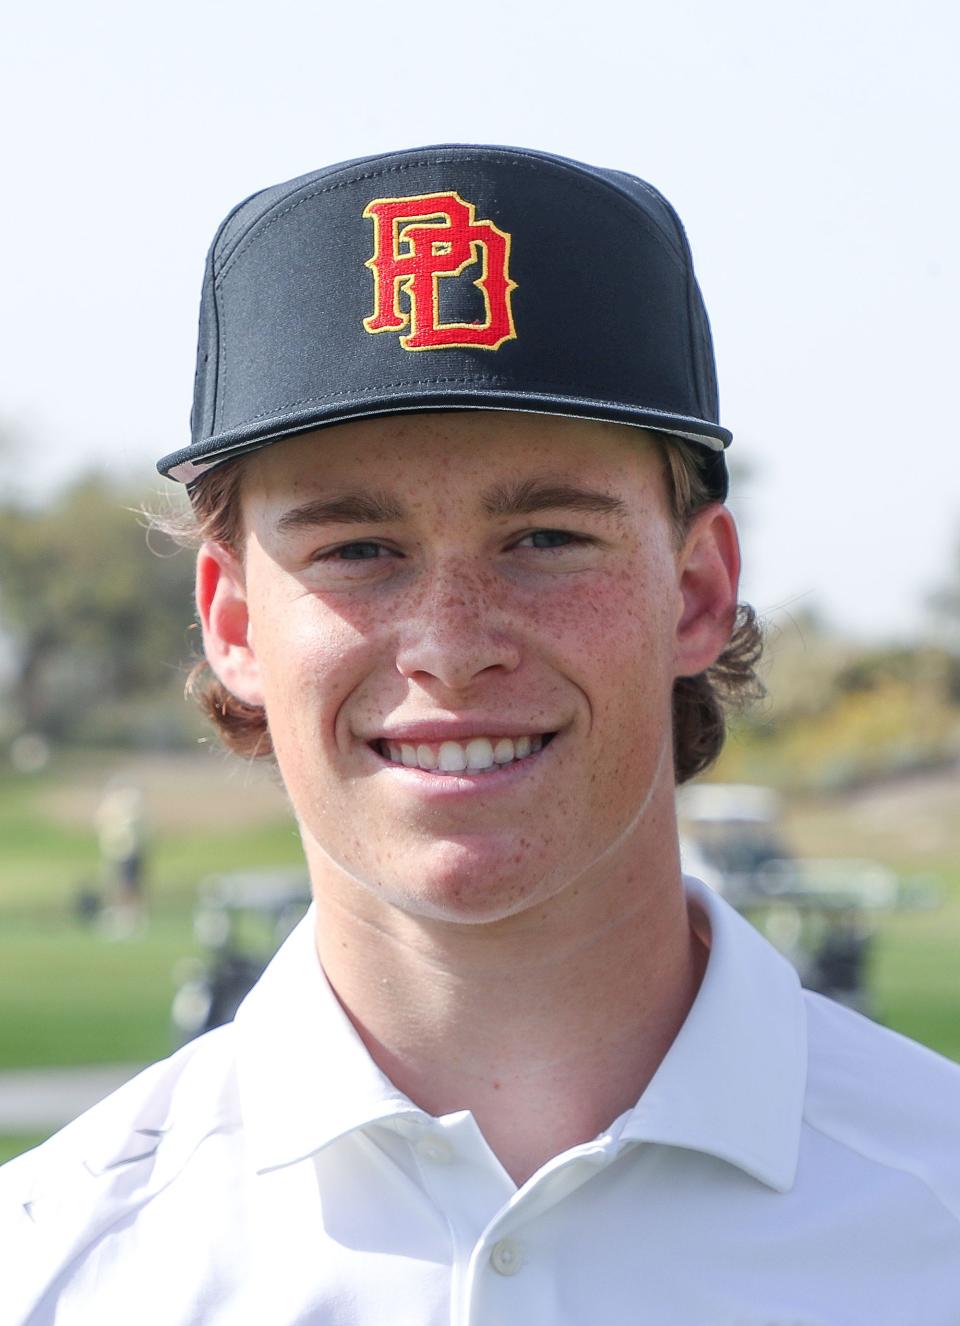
{"x": 617, "y": 643}
{"x": 604, "y": 621}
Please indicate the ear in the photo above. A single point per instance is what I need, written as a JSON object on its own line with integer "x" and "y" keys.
{"x": 222, "y": 605}
{"x": 709, "y": 571}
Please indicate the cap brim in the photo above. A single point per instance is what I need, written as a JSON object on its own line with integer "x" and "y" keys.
{"x": 189, "y": 463}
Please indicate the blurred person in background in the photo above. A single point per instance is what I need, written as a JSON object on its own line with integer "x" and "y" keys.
{"x": 121, "y": 835}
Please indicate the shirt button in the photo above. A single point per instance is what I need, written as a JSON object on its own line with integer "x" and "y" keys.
{"x": 436, "y": 1149}
{"x": 506, "y": 1257}
{"x": 410, "y": 1126}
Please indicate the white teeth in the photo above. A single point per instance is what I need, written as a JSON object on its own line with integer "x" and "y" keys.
{"x": 477, "y": 755}
{"x": 453, "y": 758}
{"x": 426, "y": 758}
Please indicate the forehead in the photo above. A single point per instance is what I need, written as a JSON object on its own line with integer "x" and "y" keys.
{"x": 459, "y": 453}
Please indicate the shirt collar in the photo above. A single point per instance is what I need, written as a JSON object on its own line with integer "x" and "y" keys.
{"x": 305, "y": 1077}
{"x": 731, "y": 1085}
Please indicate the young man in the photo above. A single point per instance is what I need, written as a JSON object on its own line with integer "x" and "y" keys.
{"x": 468, "y": 576}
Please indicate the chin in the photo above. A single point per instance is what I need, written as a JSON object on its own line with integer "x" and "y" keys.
{"x": 466, "y": 880}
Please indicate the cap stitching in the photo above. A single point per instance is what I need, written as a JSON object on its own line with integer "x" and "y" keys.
{"x": 218, "y": 332}
{"x": 472, "y": 382}
{"x": 220, "y": 399}
{"x": 537, "y": 165}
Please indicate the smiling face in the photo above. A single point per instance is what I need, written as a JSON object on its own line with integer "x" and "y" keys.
{"x": 465, "y": 629}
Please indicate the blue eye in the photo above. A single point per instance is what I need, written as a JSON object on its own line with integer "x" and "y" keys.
{"x": 551, "y": 538}
{"x": 358, "y": 552}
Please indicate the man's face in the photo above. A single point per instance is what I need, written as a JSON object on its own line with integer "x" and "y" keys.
{"x": 465, "y": 629}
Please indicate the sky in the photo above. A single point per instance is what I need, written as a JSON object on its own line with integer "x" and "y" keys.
{"x": 811, "y": 151}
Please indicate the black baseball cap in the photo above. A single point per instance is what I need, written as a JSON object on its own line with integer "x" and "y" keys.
{"x": 450, "y": 277}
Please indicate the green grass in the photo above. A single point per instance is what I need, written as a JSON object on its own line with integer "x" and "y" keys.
{"x": 912, "y": 826}
{"x": 14, "y": 1144}
{"x": 70, "y": 994}
{"x": 73, "y": 996}
{"x": 43, "y": 859}
{"x": 916, "y": 976}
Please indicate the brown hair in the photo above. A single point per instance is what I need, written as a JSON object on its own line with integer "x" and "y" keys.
{"x": 700, "y": 703}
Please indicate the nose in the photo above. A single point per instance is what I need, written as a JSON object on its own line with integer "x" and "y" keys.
{"x": 457, "y": 630}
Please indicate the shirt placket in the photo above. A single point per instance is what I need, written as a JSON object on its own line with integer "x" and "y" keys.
{"x": 501, "y": 1267}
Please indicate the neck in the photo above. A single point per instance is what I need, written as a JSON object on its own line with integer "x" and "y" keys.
{"x": 546, "y": 1025}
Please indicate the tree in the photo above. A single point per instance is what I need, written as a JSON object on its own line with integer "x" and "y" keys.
{"x": 92, "y": 608}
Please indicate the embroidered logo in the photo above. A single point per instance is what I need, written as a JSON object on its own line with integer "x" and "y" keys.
{"x": 423, "y": 240}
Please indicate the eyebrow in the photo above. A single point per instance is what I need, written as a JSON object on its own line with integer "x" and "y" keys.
{"x": 521, "y": 498}
{"x": 547, "y": 493}
{"x": 344, "y": 509}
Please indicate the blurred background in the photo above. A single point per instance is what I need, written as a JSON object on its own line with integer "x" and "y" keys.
{"x": 807, "y": 149}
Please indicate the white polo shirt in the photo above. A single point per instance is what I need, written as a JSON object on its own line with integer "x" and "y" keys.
{"x": 790, "y": 1164}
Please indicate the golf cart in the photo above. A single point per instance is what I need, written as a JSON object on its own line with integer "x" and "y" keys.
{"x": 241, "y": 919}
{"x": 821, "y": 914}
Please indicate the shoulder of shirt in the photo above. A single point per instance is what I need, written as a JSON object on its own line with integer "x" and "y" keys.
{"x": 59, "y": 1197}
{"x": 884, "y": 1096}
